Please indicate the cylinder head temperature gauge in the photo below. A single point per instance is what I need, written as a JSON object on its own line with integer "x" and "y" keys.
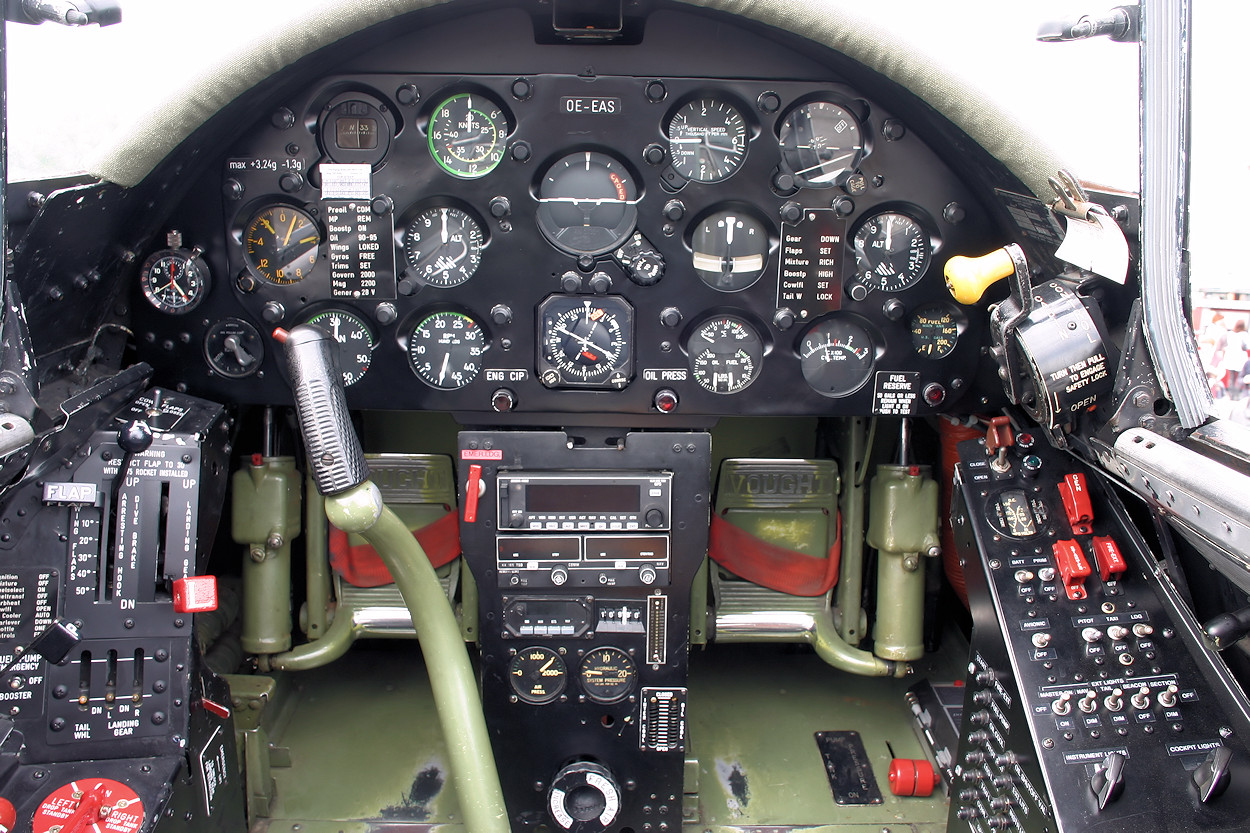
{"x": 837, "y": 356}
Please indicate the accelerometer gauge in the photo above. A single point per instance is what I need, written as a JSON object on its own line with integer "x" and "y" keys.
{"x": 354, "y": 339}
{"x": 725, "y": 354}
{"x": 445, "y": 350}
{"x": 233, "y": 348}
{"x": 934, "y": 331}
{"x": 587, "y": 203}
{"x": 820, "y": 141}
{"x": 607, "y": 675}
{"x": 586, "y": 341}
{"x": 729, "y": 249}
{"x": 467, "y": 135}
{"x": 538, "y": 675}
{"x": 175, "y": 280}
{"x": 280, "y": 244}
{"x": 707, "y": 140}
{"x": 837, "y": 356}
{"x": 443, "y": 246}
{"x": 891, "y": 251}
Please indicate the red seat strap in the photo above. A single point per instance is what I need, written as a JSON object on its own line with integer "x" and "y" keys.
{"x": 771, "y": 566}
{"x": 361, "y": 566}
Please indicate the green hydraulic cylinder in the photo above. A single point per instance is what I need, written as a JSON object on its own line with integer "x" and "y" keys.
{"x": 265, "y": 516}
{"x": 903, "y": 528}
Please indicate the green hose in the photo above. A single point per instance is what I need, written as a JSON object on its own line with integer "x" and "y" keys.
{"x": 360, "y": 510}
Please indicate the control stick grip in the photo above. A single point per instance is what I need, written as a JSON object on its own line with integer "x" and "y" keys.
{"x": 338, "y": 464}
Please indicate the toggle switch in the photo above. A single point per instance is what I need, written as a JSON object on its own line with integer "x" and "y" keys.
{"x": 1089, "y": 702}
{"x": 1073, "y": 567}
{"x": 1076, "y": 505}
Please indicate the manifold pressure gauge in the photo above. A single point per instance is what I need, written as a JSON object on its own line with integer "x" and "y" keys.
{"x": 175, "y": 280}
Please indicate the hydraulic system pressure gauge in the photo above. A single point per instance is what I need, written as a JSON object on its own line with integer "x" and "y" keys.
{"x": 443, "y": 246}
{"x": 585, "y": 341}
{"x": 538, "y": 675}
{"x": 607, "y": 675}
{"x": 891, "y": 251}
{"x": 725, "y": 354}
{"x": 445, "y": 350}
{"x": 820, "y": 141}
{"x": 707, "y": 140}
{"x": 587, "y": 203}
{"x": 354, "y": 339}
{"x": 467, "y": 135}
{"x": 233, "y": 348}
{"x": 280, "y": 244}
{"x": 729, "y": 249}
{"x": 175, "y": 280}
{"x": 837, "y": 356}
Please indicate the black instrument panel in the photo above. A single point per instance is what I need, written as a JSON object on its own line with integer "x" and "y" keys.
{"x": 551, "y": 244}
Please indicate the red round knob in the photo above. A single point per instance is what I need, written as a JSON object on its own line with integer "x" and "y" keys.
{"x": 912, "y": 776}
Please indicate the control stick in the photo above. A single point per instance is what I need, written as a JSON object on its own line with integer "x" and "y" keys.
{"x": 354, "y": 504}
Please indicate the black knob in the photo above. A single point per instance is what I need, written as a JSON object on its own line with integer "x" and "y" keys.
{"x": 893, "y": 130}
{"x": 783, "y": 319}
{"x": 586, "y": 793}
{"x": 843, "y": 206}
{"x": 654, "y": 518}
{"x": 385, "y": 313}
{"x": 674, "y": 210}
{"x": 522, "y": 89}
{"x": 571, "y": 282}
{"x": 272, "y": 312}
{"x": 653, "y": 154}
{"x": 784, "y": 182}
{"x": 894, "y": 309}
{"x": 791, "y": 212}
{"x": 670, "y": 316}
{"x": 408, "y": 95}
{"x": 232, "y": 189}
{"x": 382, "y": 205}
{"x": 522, "y": 151}
{"x": 656, "y": 91}
{"x": 1108, "y": 781}
{"x": 501, "y": 314}
{"x": 646, "y": 268}
{"x": 290, "y": 182}
{"x": 500, "y": 207}
{"x": 600, "y": 282}
{"x": 134, "y": 437}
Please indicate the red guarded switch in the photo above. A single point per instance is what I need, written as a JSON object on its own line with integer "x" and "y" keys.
{"x": 195, "y": 594}
{"x": 1076, "y": 504}
{"x": 1073, "y": 568}
{"x": 1111, "y": 563}
{"x": 472, "y": 491}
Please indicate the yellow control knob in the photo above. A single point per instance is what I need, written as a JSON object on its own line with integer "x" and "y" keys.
{"x": 967, "y": 278}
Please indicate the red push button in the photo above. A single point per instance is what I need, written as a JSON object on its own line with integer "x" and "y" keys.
{"x": 1076, "y": 504}
{"x": 910, "y": 776}
{"x": 1111, "y": 563}
{"x": 471, "y": 491}
{"x": 1073, "y": 567}
{"x": 195, "y": 594}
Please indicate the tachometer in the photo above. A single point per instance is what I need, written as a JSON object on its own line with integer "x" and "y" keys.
{"x": 445, "y": 350}
{"x": 443, "y": 246}
{"x": 280, "y": 244}
{"x": 837, "y": 356}
{"x": 891, "y": 251}
{"x": 354, "y": 339}
{"x": 707, "y": 140}
{"x": 587, "y": 203}
{"x": 725, "y": 354}
{"x": 586, "y": 341}
{"x": 820, "y": 141}
{"x": 467, "y": 135}
{"x": 729, "y": 249}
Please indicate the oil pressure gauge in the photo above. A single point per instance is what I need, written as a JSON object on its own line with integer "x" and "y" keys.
{"x": 725, "y": 354}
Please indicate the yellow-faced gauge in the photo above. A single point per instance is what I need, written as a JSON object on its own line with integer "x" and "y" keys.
{"x": 607, "y": 675}
{"x": 280, "y": 244}
{"x": 934, "y": 331}
{"x": 537, "y": 675}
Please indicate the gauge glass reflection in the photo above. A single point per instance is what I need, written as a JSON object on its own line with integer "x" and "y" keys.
{"x": 538, "y": 675}
{"x": 587, "y": 203}
{"x": 586, "y": 341}
{"x": 445, "y": 350}
{"x": 443, "y": 246}
{"x": 934, "y": 331}
{"x": 280, "y": 244}
{"x": 891, "y": 251}
{"x": 174, "y": 281}
{"x": 468, "y": 133}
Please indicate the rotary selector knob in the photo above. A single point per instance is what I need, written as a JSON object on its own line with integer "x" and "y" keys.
{"x": 584, "y": 796}
{"x": 559, "y": 576}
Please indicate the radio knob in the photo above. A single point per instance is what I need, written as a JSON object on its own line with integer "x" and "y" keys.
{"x": 654, "y": 517}
{"x": 646, "y": 574}
{"x": 559, "y": 576}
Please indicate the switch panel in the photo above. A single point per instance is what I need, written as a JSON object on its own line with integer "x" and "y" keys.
{"x": 1092, "y": 701}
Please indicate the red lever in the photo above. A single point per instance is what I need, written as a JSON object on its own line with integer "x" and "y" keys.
{"x": 195, "y": 594}
{"x": 1076, "y": 504}
{"x": 1073, "y": 567}
{"x": 472, "y": 488}
{"x": 999, "y": 434}
{"x": 1111, "y": 563}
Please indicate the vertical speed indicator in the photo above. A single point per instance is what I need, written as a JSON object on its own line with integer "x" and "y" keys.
{"x": 707, "y": 140}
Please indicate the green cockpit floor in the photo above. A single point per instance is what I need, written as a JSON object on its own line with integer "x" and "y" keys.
{"x": 366, "y": 752}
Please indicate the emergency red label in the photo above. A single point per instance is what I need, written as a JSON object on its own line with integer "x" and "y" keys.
{"x": 481, "y": 454}
{"x": 98, "y": 805}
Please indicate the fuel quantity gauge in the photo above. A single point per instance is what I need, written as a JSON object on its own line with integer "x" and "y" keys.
{"x": 725, "y": 354}
{"x": 934, "y": 331}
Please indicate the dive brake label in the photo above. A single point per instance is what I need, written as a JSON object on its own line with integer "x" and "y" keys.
{"x": 896, "y": 394}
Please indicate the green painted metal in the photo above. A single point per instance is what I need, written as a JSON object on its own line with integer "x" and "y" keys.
{"x": 333, "y": 644}
{"x": 360, "y": 510}
{"x": 855, "y": 446}
{"x": 265, "y": 517}
{"x": 317, "y": 569}
{"x": 903, "y": 528}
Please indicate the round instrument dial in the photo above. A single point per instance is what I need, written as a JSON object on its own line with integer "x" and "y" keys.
{"x": 467, "y": 135}
{"x": 445, "y": 350}
{"x": 354, "y": 339}
{"x": 233, "y": 348}
{"x": 538, "y": 675}
{"x": 587, "y": 203}
{"x": 443, "y": 246}
{"x": 174, "y": 281}
{"x": 934, "y": 331}
{"x": 280, "y": 244}
{"x": 837, "y": 356}
{"x": 607, "y": 675}
{"x": 707, "y": 140}
{"x": 820, "y": 141}
{"x": 725, "y": 354}
{"x": 586, "y": 341}
{"x": 891, "y": 251}
{"x": 729, "y": 249}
